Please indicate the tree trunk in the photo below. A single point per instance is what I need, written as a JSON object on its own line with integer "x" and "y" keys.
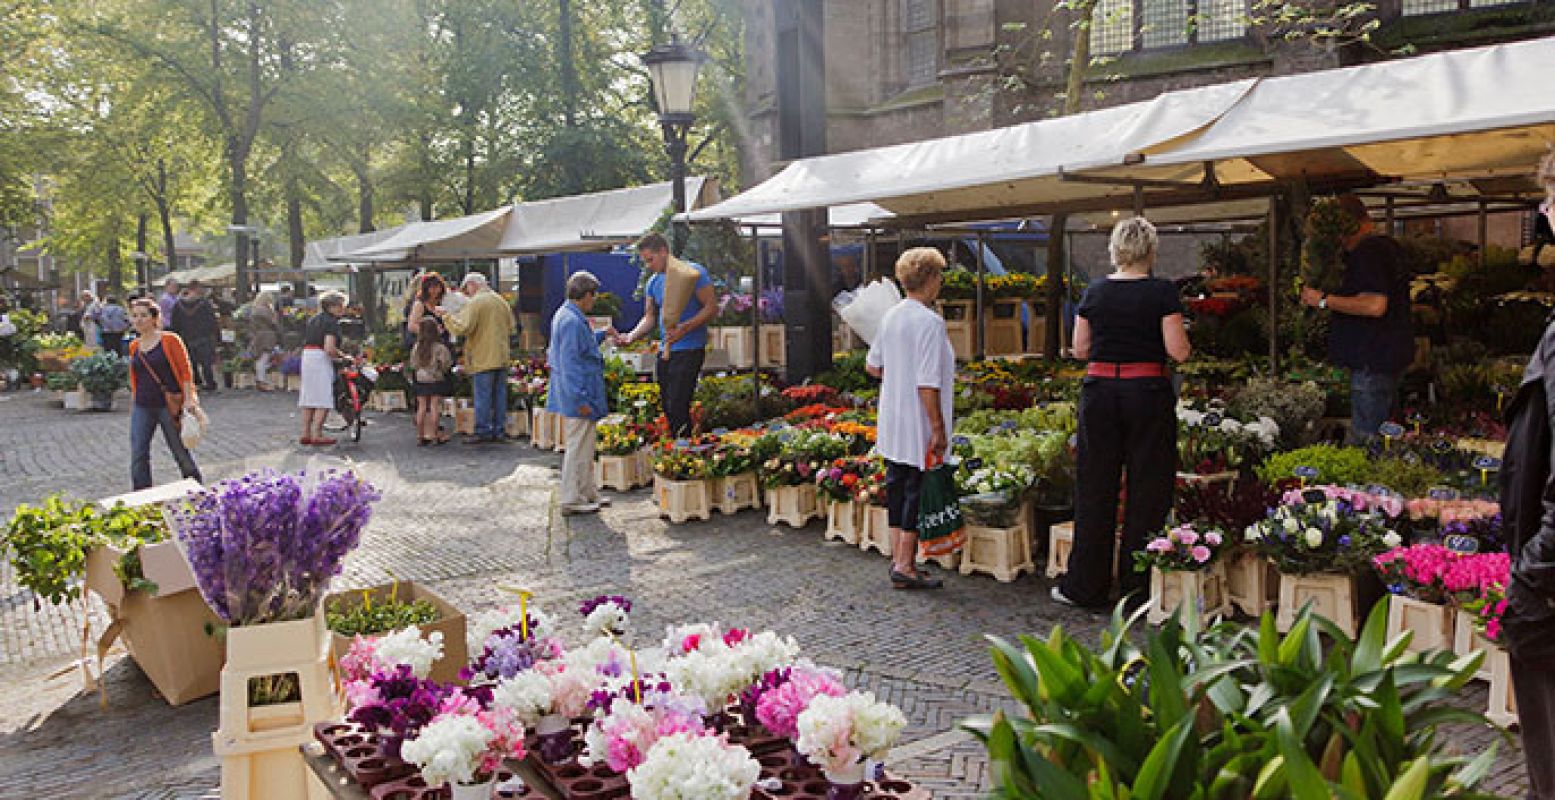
{"x": 569, "y": 70}
{"x": 143, "y": 263}
{"x": 165, "y": 217}
{"x": 364, "y": 192}
{"x": 239, "y": 167}
{"x": 294, "y": 232}
{"x": 115, "y": 267}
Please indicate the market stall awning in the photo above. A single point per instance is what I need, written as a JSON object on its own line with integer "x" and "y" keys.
{"x": 218, "y": 275}
{"x": 852, "y": 215}
{"x": 1014, "y": 166}
{"x": 321, "y": 255}
{"x": 596, "y": 221}
{"x": 473, "y": 236}
{"x": 1478, "y": 113}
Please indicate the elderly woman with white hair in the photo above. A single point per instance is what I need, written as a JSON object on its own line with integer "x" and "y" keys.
{"x": 1127, "y": 327}
{"x": 577, "y": 391}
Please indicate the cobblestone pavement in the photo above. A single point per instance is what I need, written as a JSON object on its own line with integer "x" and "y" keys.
{"x": 464, "y": 520}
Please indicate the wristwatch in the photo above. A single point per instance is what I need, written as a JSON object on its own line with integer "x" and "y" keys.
{"x": 1323, "y": 302}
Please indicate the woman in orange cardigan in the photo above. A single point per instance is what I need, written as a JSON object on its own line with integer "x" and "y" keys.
{"x": 159, "y": 366}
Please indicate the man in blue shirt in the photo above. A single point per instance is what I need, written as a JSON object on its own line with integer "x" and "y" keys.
{"x": 577, "y": 392}
{"x": 685, "y": 339}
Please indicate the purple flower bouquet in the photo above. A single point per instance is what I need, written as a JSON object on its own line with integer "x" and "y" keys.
{"x": 264, "y": 547}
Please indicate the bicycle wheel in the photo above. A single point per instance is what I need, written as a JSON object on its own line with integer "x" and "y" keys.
{"x": 356, "y": 427}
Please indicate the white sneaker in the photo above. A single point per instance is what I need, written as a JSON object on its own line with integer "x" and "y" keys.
{"x": 602, "y": 501}
{"x": 586, "y": 508}
{"x": 1062, "y": 599}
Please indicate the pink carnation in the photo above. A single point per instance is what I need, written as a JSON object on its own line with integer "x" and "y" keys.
{"x": 779, "y": 709}
{"x": 1201, "y": 553}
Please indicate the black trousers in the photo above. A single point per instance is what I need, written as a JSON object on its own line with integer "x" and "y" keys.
{"x": 1124, "y": 425}
{"x": 1534, "y": 686}
{"x": 202, "y": 360}
{"x": 677, "y": 383}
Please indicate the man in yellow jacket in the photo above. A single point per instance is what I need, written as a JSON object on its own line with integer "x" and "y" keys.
{"x": 486, "y": 323}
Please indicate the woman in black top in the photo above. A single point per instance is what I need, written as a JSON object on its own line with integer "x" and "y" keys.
{"x": 1127, "y": 326}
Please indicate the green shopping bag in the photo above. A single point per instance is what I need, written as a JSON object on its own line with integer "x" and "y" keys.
{"x": 941, "y": 531}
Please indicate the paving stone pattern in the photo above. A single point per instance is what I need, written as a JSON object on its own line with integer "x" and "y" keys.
{"x": 466, "y": 520}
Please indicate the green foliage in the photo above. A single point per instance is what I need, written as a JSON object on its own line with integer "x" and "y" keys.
{"x": 101, "y": 373}
{"x": 1408, "y": 477}
{"x": 847, "y": 374}
{"x": 18, "y": 350}
{"x": 606, "y": 305}
{"x": 1337, "y": 465}
{"x": 367, "y": 618}
{"x": 49, "y": 542}
{"x": 61, "y": 381}
{"x": 1228, "y": 713}
{"x": 1294, "y": 406}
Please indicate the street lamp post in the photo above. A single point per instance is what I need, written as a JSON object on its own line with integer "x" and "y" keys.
{"x": 673, "y": 69}
{"x": 142, "y": 271}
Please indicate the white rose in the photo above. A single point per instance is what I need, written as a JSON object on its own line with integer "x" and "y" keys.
{"x": 1392, "y": 540}
{"x": 1314, "y": 538}
{"x": 1290, "y": 525}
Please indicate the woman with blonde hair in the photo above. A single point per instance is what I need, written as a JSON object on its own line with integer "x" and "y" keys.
{"x": 264, "y": 336}
{"x": 1128, "y": 325}
{"x": 320, "y": 347}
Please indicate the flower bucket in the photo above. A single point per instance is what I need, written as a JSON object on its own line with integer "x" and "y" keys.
{"x": 1204, "y": 591}
{"x": 844, "y": 521}
{"x": 682, "y": 500}
{"x": 876, "y": 531}
{"x": 1252, "y": 585}
{"x": 1432, "y": 623}
{"x": 794, "y": 506}
{"x": 1502, "y": 709}
{"x": 617, "y": 472}
{"x": 1003, "y": 552}
{"x": 1331, "y": 596}
{"x": 1466, "y": 638}
{"x": 734, "y": 493}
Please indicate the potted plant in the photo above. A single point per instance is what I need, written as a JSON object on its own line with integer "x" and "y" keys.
{"x": 463, "y": 748}
{"x": 616, "y": 462}
{"x": 731, "y": 466}
{"x": 839, "y": 484}
{"x": 680, "y": 483}
{"x": 101, "y": 374}
{"x": 1185, "y": 573}
{"x": 398, "y": 606}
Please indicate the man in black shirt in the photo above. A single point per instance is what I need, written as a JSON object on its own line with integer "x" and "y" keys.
{"x": 1369, "y": 332}
{"x": 194, "y": 319}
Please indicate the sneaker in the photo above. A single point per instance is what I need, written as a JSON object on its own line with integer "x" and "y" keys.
{"x": 602, "y": 501}
{"x": 1062, "y": 599}
{"x": 586, "y": 508}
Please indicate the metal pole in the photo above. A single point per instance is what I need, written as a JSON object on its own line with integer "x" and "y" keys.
{"x": 675, "y": 142}
{"x": 1274, "y": 284}
{"x": 1139, "y": 200}
{"x": 1484, "y": 233}
{"x": 756, "y": 326}
{"x": 980, "y": 345}
{"x": 1391, "y": 216}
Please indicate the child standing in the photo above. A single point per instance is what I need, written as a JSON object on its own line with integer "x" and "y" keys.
{"x": 431, "y": 360}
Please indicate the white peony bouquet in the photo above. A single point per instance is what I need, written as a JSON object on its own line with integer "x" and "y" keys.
{"x": 407, "y": 647}
{"x": 688, "y": 766}
{"x": 839, "y": 732}
{"x": 527, "y": 695}
{"x": 449, "y": 749}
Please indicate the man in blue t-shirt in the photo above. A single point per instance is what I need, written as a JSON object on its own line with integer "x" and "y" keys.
{"x": 685, "y": 338}
{"x": 1370, "y": 332}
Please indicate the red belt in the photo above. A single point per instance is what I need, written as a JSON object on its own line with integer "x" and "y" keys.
{"x": 312, "y": 347}
{"x": 1142, "y": 369}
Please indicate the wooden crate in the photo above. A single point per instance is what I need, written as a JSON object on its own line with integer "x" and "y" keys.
{"x": 384, "y": 402}
{"x": 293, "y": 383}
{"x": 738, "y": 342}
{"x": 793, "y": 505}
{"x": 619, "y": 473}
{"x": 464, "y": 421}
{"x": 1201, "y": 590}
{"x": 1002, "y": 329}
{"x": 1060, "y": 540}
{"x": 1252, "y": 585}
{"x": 517, "y": 424}
{"x": 1502, "y": 708}
{"x": 735, "y": 493}
{"x": 544, "y": 432}
{"x": 774, "y": 347}
{"x": 1036, "y": 327}
{"x": 1003, "y": 553}
{"x": 682, "y": 500}
{"x": 876, "y": 531}
{"x": 844, "y": 521}
{"x": 1331, "y": 596}
{"x": 1466, "y": 638}
{"x": 1432, "y": 623}
{"x": 243, "y": 380}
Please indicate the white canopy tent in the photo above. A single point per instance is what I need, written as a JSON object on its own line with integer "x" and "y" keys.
{"x": 330, "y": 255}
{"x": 217, "y": 275}
{"x": 473, "y": 236}
{"x": 595, "y": 221}
{"x": 1484, "y": 113}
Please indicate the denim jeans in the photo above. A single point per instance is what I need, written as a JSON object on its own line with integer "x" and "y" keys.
{"x": 1371, "y": 401}
{"x": 144, "y": 422}
{"x": 491, "y": 403}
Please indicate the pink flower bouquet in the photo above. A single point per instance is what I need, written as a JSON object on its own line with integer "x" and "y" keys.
{"x": 1180, "y": 549}
{"x": 779, "y": 708}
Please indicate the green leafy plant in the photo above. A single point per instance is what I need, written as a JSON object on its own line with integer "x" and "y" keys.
{"x": 366, "y": 618}
{"x": 1410, "y": 477}
{"x": 49, "y": 542}
{"x": 606, "y": 305}
{"x": 1337, "y": 465}
{"x": 1228, "y": 713}
{"x": 1294, "y": 406}
{"x": 101, "y": 373}
{"x": 61, "y": 381}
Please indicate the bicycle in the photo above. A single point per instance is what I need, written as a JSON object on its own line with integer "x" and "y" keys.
{"x": 354, "y": 381}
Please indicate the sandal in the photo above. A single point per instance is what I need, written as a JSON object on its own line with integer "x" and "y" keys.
{"x": 420, "y": 442}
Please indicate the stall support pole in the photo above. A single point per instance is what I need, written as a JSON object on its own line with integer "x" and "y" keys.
{"x": 1484, "y": 234}
{"x": 1274, "y": 284}
{"x": 756, "y": 327}
{"x": 982, "y": 335}
{"x": 869, "y": 255}
{"x": 1392, "y": 218}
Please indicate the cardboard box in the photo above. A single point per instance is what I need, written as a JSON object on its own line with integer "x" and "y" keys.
{"x": 450, "y": 621}
{"x": 164, "y": 631}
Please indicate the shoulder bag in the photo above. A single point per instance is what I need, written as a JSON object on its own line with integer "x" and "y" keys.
{"x": 175, "y": 400}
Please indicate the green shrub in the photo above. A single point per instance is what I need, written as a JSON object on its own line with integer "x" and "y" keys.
{"x": 1293, "y": 406}
{"x": 1337, "y": 465}
{"x": 1408, "y": 477}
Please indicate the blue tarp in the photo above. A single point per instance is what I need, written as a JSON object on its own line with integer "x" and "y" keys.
{"x": 616, "y": 275}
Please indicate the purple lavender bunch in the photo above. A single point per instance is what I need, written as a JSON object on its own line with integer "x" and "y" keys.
{"x": 588, "y": 606}
{"x": 264, "y": 547}
{"x": 771, "y": 305}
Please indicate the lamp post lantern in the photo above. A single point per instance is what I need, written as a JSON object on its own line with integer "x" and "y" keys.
{"x": 673, "y": 70}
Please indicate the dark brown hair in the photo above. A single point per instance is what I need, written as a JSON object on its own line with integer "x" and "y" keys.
{"x": 429, "y": 280}
{"x": 147, "y": 303}
{"x": 653, "y": 241}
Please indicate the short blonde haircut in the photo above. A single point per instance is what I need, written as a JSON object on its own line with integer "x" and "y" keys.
{"x": 1133, "y": 242}
{"x": 332, "y": 299}
{"x": 1546, "y": 174}
{"x": 916, "y": 266}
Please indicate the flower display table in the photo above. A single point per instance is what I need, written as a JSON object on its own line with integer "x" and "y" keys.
{"x": 1331, "y": 596}
{"x": 1432, "y": 623}
{"x": 794, "y": 506}
{"x": 1466, "y": 639}
{"x": 384, "y": 402}
{"x": 844, "y": 521}
{"x": 875, "y": 532}
{"x": 682, "y": 500}
{"x": 1003, "y": 553}
{"x": 1252, "y": 585}
{"x": 1204, "y": 591}
{"x": 734, "y": 493}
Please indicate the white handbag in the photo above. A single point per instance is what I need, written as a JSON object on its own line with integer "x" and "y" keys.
{"x": 192, "y": 428}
